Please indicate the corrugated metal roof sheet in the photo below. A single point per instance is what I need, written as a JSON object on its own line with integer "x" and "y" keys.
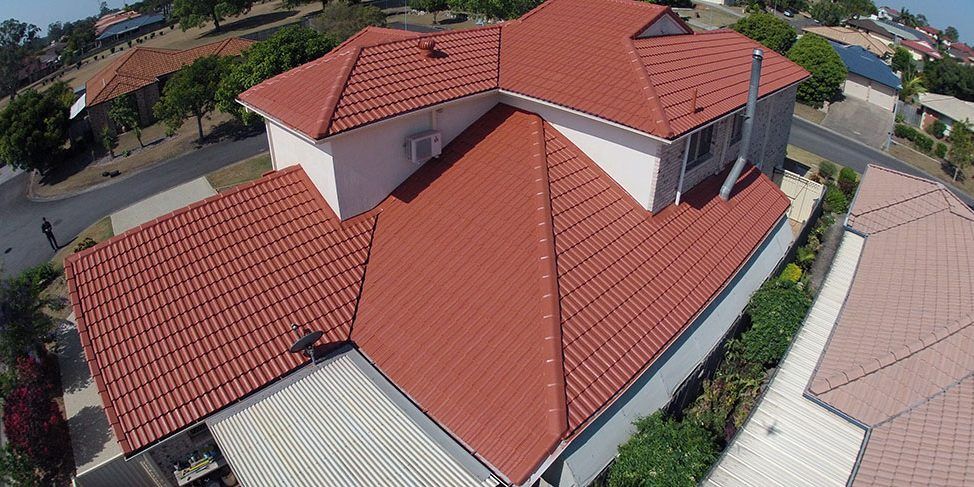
{"x": 337, "y": 425}
{"x": 864, "y": 63}
{"x": 789, "y": 439}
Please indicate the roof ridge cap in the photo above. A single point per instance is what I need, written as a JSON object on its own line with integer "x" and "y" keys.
{"x": 555, "y": 390}
{"x": 324, "y": 120}
{"x": 656, "y": 106}
{"x": 869, "y": 366}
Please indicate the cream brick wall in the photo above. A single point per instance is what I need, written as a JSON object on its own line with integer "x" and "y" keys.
{"x": 769, "y": 142}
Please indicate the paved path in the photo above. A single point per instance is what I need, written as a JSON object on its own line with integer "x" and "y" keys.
{"x": 165, "y": 202}
{"x": 848, "y": 152}
{"x": 23, "y": 245}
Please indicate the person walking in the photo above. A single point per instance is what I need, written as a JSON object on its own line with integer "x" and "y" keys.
{"x": 48, "y": 230}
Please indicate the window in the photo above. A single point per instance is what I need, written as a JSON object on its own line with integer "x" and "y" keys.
{"x": 737, "y": 129}
{"x": 700, "y": 146}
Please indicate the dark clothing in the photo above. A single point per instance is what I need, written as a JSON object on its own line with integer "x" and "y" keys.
{"x": 49, "y": 233}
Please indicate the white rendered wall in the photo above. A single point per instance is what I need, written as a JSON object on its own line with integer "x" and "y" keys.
{"x": 370, "y": 163}
{"x": 287, "y": 149}
{"x": 629, "y": 158}
{"x": 586, "y": 456}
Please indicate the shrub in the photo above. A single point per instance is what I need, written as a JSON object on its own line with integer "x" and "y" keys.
{"x": 936, "y": 129}
{"x": 727, "y": 398}
{"x": 848, "y": 181}
{"x": 776, "y": 311}
{"x": 40, "y": 275}
{"x": 835, "y": 200}
{"x": 941, "y": 150}
{"x": 791, "y": 273}
{"x": 919, "y": 139}
{"x": 664, "y": 452}
{"x": 16, "y": 469}
{"x": 32, "y": 420}
{"x": 87, "y": 243}
{"x": 827, "y": 170}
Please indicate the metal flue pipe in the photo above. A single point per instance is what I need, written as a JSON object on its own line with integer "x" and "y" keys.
{"x": 752, "y": 102}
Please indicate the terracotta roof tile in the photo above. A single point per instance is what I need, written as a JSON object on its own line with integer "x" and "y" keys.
{"x": 142, "y": 66}
{"x": 507, "y": 339}
{"x": 579, "y": 54}
{"x": 185, "y": 314}
{"x": 902, "y": 347}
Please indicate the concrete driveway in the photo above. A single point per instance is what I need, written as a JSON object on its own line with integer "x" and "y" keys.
{"x": 161, "y": 204}
{"x": 860, "y": 120}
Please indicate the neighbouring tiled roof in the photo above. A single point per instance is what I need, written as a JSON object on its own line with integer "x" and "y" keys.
{"x": 899, "y": 360}
{"x": 187, "y": 313}
{"x": 555, "y": 53}
{"x": 142, "y": 66}
{"x": 922, "y": 47}
{"x": 851, "y": 37}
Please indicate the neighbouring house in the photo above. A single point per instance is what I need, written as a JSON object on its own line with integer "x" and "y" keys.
{"x": 962, "y": 52}
{"x": 869, "y": 78}
{"x": 922, "y": 51}
{"x": 113, "y": 18}
{"x": 852, "y": 37}
{"x": 130, "y": 28}
{"x": 877, "y": 388}
{"x": 887, "y": 31}
{"x": 932, "y": 32}
{"x": 142, "y": 72}
{"x": 887, "y": 13}
{"x": 511, "y": 241}
{"x": 945, "y": 108}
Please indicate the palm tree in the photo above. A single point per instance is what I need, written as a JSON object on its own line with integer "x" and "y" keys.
{"x": 911, "y": 85}
{"x": 907, "y": 19}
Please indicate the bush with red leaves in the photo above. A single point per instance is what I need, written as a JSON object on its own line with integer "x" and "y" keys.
{"x": 32, "y": 420}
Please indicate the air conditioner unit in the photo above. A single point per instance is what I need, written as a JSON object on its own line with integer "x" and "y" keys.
{"x": 423, "y": 146}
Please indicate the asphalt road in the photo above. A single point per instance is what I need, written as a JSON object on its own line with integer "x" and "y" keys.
{"x": 848, "y": 152}
{"x": 23, "y": 245}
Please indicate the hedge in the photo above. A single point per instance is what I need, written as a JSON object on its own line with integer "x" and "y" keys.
{"x": 848, "y": 182}
{"x": 835, "y": 200}
{"x": 776, "y": 310}
{"x": 919, "y": 139}
{"x": 664, "y": 452}
{"x": 941, "y": 150}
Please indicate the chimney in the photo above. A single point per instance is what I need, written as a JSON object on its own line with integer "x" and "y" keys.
{"x": 752, "y": 101}
{"x": 427, "y": 47}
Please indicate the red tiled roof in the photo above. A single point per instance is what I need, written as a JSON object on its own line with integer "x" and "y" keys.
{"x": 111, "y": 19}
{"x": 580, "y": 54}
{"x": 922, "y": 47}
{"x": 190, "y": 312}
{"x": 900, "y": 358}
{"x": 142, "y": 66}
{"x": 513, "y": 289}
{"x": 359, "y": 84}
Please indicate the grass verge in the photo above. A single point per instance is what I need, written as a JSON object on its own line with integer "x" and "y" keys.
{"x": 240, "y": 172}
{"x": 809, "y": 113}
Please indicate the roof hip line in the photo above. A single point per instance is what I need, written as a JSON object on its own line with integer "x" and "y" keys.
{"x": 655, "y": 105}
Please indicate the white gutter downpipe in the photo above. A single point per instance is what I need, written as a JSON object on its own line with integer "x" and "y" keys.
{"x": 752, "y": 101}
{"x": 683, "y": 171}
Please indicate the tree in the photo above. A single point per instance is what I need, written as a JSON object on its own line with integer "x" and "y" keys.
{"x": 834, "y": 12}
{"x": 815, "y": 54}
{"x": 34, "y": 127}
{"x": 961, "y": 152}
{"x": 55, "y": 30}
{"x": 910, "y": 20}
{"x": 191, "y": 91}
{"x": 287, "y": 48}
{"x": 432, "y": 6}
{"x": 340, "y": 19}
{"x": 948, "y": 77}
{"x": 289, "y": 4}
{"x": 108, "y": 140}
{"x": 103, "y": 9}
{"x": 196, "y": 13}
{"x": 494, "y": 9}
{"x": 951, "y": 34}
{"x": 911, "y": 85}
{"x": 23, "y": 313}
{"x": 767, "y": 29}
{"x": 902, "y": 60}
{"x": 15, "y": 40}
{"x": 125, "y": 113}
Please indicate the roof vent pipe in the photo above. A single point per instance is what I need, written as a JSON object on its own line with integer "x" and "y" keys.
{"x": 752, "y": 101}
{"x": 427, "y": 47}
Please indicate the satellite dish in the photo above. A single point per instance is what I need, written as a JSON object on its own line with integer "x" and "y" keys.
{"x": 305, "y": 343}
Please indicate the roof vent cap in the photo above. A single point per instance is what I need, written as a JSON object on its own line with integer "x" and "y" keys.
{"x": 427, "y": 46}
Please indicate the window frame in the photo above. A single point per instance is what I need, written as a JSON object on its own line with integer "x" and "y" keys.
{"x": 694, "y": 156}
{"x": 737, "y": 128}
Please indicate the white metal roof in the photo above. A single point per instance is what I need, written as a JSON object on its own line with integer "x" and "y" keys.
{"x": 789, "y": 439}
{"x": 78, "y": 105}
{"x": 341, "y": 423}
{"x": 952, "y": 107}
